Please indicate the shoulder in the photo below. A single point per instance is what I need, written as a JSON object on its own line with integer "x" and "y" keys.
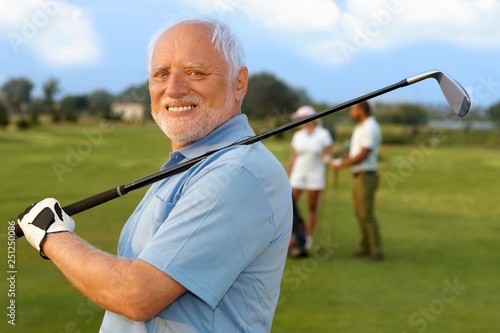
{"x": 324, "y": 135}
{"x": 299, "y": 132}
{"x": 372, "y": 121}
{"x": 324, "y": 131}
{"x": 251, "y": 158}
{"x": 370, "y": 124}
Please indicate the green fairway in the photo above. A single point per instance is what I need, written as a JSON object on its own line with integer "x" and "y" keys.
{"x": 437, "y": 206}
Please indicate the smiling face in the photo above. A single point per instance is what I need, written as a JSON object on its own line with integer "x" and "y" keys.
{"x": 191, "y": 92}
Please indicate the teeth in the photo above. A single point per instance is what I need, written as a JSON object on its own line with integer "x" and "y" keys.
{"x": 179, "y": 108}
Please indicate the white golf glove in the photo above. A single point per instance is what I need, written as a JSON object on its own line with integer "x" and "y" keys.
{"x": 42, "y": 218}
{"x": 337, "y": 162}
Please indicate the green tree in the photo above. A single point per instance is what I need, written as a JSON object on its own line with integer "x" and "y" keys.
{"x": 73, "y": 106}
{"x": 36, "y": 107}
{"x": 406, "y": 114}
{"x": 137, "y": 94}
{"x": 494, "y": 113}
{"x": 268, "y": 97}
{"x": 50, "y": 90}
{"x": 17, "y": 94}
{"x": 99, "y": 103}
{"x": 4, "y": 116}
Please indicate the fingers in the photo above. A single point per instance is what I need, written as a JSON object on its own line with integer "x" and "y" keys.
{"x": 337, "y": 162}
{"x": 42, "y": 218}
{"x": 26, "y": 211}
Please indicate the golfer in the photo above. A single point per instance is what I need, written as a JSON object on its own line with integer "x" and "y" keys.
{"x": 204, "y": 251}
{"x": 311, "y": 145}
{"x": 362, "y": 159}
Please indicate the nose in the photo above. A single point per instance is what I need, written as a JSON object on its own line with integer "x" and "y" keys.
{"x": 177, "y": 85}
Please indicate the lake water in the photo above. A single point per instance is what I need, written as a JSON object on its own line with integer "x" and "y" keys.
{"x": 461, "y": 124}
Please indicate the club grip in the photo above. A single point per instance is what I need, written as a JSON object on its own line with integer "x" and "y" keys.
{"x": 18, "y": 231}
{"x": 85, "y": 204}
{"x": 94, "y": 200}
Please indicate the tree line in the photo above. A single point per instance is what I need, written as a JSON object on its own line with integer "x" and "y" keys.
{"x": 268, "y": 98}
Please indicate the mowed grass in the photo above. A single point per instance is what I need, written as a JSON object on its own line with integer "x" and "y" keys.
{"x": 437, "y": 206}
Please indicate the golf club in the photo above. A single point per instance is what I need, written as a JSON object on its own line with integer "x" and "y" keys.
{"x": 318, "y": 229}
{"x": 326, "y": 245}
{"x": 457, "y": 98}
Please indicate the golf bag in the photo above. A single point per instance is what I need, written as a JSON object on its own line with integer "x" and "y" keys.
{"x": 297, "y": 248}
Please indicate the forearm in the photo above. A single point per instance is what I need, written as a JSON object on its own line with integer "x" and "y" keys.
{"x": 327, "y": 151}
{"x": 355, "y": 159}
{"x": 135, "y": 289}
{"x": 103, "y": 278}
{"x": 352, "y": 161}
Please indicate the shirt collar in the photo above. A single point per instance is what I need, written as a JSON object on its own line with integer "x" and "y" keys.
{"x": 233, "y": 130}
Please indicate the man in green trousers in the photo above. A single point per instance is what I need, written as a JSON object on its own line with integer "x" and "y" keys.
{"x": 362, "y": 159}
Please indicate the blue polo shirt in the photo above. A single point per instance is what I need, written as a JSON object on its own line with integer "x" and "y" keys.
{"x": 221, "y": 229}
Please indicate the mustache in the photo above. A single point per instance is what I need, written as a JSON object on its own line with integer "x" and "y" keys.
{"x": 172, "y": 101}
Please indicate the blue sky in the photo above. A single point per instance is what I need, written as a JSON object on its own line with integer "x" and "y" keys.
{"x": 334, "y": 50}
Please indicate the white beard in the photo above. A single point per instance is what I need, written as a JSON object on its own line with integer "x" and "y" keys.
{"x": 189, "y": 129}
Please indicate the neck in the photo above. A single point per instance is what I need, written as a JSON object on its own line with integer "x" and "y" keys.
{"x": 363, "y": 117}
{"x": 309, "y": 127}
{"x": 179, "y": 146}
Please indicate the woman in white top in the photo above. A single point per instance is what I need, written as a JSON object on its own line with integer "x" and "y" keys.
{"x": 311, "y": 145}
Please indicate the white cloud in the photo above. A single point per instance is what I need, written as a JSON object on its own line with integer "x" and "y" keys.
{"x": 57, "y": 32}
{"x": 332, "y": 34}
{"x": 293, "y": 15}
{"x": 279, "y": 15}
{"x": 379, "y": 24}
{"x": 464, "y": 22}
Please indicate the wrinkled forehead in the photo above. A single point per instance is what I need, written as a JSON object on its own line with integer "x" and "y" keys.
{"x": 191, "y": 41}
{"x": 189, "y": 33}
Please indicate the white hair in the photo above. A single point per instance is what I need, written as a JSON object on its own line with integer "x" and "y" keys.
{"x": 223, "y": 40}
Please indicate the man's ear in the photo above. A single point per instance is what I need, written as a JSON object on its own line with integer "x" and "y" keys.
{"x": 241, "y": 86}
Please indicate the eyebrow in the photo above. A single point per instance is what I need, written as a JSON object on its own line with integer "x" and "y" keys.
{"x": 155, "y": 67}
{"x": 163, "y": 67}
{"x": 194, "y": 65}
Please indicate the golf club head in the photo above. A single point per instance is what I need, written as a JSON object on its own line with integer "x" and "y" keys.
{"x": 455, "y": 94}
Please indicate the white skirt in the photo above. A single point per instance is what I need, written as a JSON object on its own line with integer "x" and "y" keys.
{"x": 307, "y": 180}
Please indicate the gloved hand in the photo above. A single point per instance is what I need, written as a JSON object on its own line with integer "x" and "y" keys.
{"x": 42, "y": 218}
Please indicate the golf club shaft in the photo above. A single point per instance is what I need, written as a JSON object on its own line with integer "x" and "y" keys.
{"x": 121, "y": 190}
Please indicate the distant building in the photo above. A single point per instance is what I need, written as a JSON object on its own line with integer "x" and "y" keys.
{"x": 131, "y": 112}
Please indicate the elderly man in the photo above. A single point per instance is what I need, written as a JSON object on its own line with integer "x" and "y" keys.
{"x": 205, "y": 249}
